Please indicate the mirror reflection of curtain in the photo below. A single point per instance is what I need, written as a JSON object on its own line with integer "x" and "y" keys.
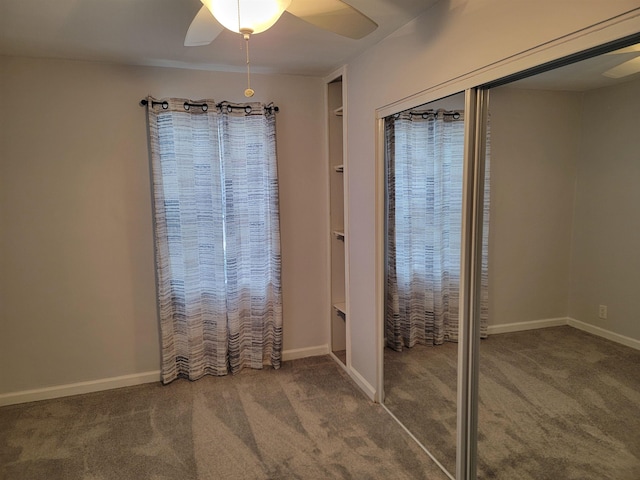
{"x": 424, "y": 161}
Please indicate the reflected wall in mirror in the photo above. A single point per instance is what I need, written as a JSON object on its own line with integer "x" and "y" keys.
{"x": 424, "y": 159}
{"x": 564, "y": 401}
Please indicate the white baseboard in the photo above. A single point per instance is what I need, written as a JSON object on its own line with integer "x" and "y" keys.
{"x": 305, "y": 352}
{"x": 154, "y": 376}
{"x": 572, "y": 322}
{"x": 365, "y": 386}
{"x": 530, "y": 325}
{"x": 122, "y": 381}
{"x": 601, "y": 332}
{"x": 78, "y": 388}
{"x": 360, "y": 381}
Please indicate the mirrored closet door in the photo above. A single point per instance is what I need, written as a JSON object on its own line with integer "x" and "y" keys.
{"x": 424, "y": 157}
{"x": 545, "y": 262}
{"x": 559, "y": 387}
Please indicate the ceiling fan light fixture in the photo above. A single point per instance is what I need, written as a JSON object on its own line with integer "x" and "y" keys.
{"x": 247, "y": 16}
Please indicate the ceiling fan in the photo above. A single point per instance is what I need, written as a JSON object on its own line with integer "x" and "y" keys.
{"x": 255, "y": 16}
{"x": 249, "y": 17}
{"x": 629, "y": 67}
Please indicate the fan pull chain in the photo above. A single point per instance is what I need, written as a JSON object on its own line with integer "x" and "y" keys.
{"x": 249, "y": 91}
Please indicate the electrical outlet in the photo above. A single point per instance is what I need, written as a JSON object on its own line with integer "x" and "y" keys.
{"x": 602, "y": 312}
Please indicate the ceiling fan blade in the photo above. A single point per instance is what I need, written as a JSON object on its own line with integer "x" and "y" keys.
{"x": 335, "y": 16}
{"x": 203, "y": 30}
{"x": 624, "y": 69}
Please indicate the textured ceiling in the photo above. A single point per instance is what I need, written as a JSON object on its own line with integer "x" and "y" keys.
{"x": 151, "y": 32}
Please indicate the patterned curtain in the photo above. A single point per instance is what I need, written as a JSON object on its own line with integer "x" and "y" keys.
{"x": 424, "y": 158}
{"x": 217, "y": 236}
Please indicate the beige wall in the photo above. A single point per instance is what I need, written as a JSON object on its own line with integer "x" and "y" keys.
{"x": 535, "y": 139}
{"x": 77, "y": 288}
{"x": 452, "y": 39}
{"x": 605, "y": 268}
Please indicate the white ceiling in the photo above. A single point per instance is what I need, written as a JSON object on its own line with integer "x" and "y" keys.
{"x": 151, "y": 32}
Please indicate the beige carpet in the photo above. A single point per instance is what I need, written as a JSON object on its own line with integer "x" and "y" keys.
{"x": 304, "y": 421}
{"x": 555, "y": 404}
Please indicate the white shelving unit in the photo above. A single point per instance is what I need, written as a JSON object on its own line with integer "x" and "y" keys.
{"x": 339, "y": 257}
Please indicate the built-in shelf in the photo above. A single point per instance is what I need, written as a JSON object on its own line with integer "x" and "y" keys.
{"x": 337, "y": 219}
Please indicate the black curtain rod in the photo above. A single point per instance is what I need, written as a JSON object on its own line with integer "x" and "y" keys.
{"x": 230, "y": 107}
{"x": 430, "y": 113}
{"x": 454, "y": 114}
